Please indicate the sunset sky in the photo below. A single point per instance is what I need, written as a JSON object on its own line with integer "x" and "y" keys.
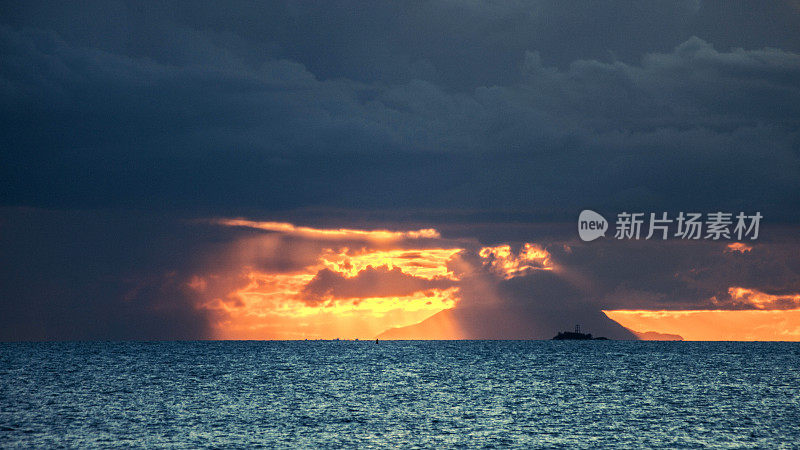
{"x": 408, "y": 170}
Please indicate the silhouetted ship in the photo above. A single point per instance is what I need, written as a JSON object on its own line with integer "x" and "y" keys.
{"x": 577, "y": 336}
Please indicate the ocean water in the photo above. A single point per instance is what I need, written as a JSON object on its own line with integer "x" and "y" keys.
{"x": 401, "y": 393}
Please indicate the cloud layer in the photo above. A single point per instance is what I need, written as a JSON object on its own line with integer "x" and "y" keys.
{"x": 269, "y": 108}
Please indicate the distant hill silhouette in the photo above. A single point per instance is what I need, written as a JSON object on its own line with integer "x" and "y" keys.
{"x": 508, "y": 322}
{"x": 656, "y": 336}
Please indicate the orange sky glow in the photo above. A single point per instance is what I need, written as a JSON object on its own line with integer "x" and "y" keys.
{"x": 400, "y": 278}
{"x": 273, "y": 305}
{"x": 715, "y": 325}
{"x": 765, "y": 317}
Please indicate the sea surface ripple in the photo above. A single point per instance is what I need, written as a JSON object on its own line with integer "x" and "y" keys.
{"x": 400, "y": 393}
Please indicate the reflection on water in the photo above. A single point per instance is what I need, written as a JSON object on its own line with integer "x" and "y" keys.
{"x": 427, "y": 393}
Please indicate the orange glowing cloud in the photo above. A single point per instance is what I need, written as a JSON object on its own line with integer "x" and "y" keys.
{"x": 750, "y": 298}
{"x": 331, "y": 234}
{"x": 509, "y": 265}
{"x": 423, "y": 263}
{"x": 738, "y": 247}
{"x": 715, "y": 325}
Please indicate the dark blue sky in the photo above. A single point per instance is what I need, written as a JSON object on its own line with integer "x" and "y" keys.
{"x": 118, "y": 117}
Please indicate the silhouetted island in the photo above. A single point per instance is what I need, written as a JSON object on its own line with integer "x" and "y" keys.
{"x": 577, "y": 336}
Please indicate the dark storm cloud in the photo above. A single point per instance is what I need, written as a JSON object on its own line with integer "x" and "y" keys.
{"x": 516, "y": 107}
{"x": 654, "y": 274}
{"x": 677, "y": 274}
{"x": 672, "y": 274}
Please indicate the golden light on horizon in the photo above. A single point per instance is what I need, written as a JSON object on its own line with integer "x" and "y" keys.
{"x": 269, "y": 307}
{"x": 346, "y": 283}
{"x": 351, "y": 284}
{"x": 715, "y": 325}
